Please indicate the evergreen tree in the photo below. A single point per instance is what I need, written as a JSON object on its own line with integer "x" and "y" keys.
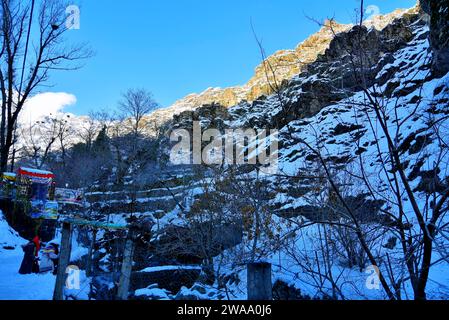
{"x": 101, "y": 145}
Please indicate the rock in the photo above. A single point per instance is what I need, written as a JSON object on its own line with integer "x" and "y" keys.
{"x": 186, "y": 295}
{"x": 171, "y": 280}
{"x": 175, "y": 238}
{"x": 391, "y": 243}
{"x": 425, "y": 6}
{"x": 331, "y": 78}
{"x": 198, "y": 292}
{"x": 342, "y": 128}
{"x": 199, "y": 288}
{"x": 285, "y": 63}
{"x": 153, "y": 292}
{"x": 439, "y": 33}
{"x": 103, "y": 288}
{"x": 284, "y": 292}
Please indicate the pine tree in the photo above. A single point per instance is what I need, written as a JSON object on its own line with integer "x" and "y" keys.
{"x": 101, "y": 145}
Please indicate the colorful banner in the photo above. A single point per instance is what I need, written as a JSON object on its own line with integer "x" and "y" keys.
{"x": 69, "y": 196}
{"x": 36, "y": 176}
{"x": 44, "y": 210}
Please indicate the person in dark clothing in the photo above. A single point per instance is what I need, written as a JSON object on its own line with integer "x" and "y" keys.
{"x": 28, "y": 259}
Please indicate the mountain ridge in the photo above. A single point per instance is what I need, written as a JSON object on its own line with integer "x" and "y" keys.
{"x": 283, "y": 65}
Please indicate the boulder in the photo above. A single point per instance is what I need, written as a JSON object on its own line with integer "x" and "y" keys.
{"x": 171, "y": 280}
{"x": 198, "y": 292}
{"x": 153, "y": 292}
{"x": 284, "y": 292}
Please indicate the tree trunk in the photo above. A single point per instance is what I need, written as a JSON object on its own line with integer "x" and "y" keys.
{"x": 425, "y": 267}
{"x": 127, "y": 264}
{"x": 64, "y": 260}
{"x": 89, "y": 255}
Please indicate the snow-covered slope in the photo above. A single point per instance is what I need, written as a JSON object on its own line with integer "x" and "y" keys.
{"x": 325, "y": 119}
{"x": 324, "y": 112}
{"x": 9, "y": 238}
{"x": 14, "y": 286}
{"x": 350, "y": 138}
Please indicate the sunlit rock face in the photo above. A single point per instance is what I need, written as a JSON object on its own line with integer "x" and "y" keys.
{"x": 276, "y": 70}
{"x": 439, "y": 33}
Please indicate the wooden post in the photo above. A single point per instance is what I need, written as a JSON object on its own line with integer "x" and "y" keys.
{"x": 127, "y": 265}
{"x": 89, "y": 255}
{"x": 259, "y": 282}
{"x": 64, "y": 260}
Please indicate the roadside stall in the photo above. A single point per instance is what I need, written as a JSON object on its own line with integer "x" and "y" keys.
{"x": 38, "y": 188}
{"x": 7, "y": 187}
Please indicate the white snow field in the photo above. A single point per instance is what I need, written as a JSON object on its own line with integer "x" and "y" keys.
{"x": 14, "y": 286}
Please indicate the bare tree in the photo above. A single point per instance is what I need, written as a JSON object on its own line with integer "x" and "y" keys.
{"x": 32, "y": 36}
{"x": 39, "y": 139}
{"x": 133, "y": 150}
{"x": 65, "y": 137}
{"x": 104, "y": 119}
{"x": 135, "y": 105}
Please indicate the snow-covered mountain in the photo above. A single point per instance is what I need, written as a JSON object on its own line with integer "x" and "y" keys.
{"x": 328, "y": 126}
{"x": 282, "y": 65}
{"x": 285, "y": 64}
{"x": 363, "y": 99}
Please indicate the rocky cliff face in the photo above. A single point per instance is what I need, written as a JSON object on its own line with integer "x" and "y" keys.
{"x": 326, "y": 80}
{"x": 281, "y": 66}
{"x": 276, "y": 70}
{"x": 394, "y": 58}
{"x": 323, "y": 104}
{"x": 439, "y": 33}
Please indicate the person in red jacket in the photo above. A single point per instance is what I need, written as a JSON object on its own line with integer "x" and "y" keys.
{"x": 37, "y": 248}
{"x": 30, "y": 262}
{"x": 37, "y": 244}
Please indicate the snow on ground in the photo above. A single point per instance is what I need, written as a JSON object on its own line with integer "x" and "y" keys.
{"x": 14, "y": 286}
{"x": 8, "y": 236}
{"x": 170, "y": 268}
{"x": 154, "y": 293}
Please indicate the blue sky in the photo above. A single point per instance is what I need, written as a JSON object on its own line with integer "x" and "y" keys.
{"x": 176, "y": 47}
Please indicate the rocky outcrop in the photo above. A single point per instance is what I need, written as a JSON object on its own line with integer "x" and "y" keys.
{"x": 322, "y": 105}
{"x": 282, "y": 66}
{"x": 285, "y": 292}
{"x": 439, "y": 33}
{"x": 171, "y": 280}
{"x": 332, "y": 77}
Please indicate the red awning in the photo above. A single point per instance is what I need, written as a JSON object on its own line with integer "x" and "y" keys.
{"x": 36, "y": 173}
